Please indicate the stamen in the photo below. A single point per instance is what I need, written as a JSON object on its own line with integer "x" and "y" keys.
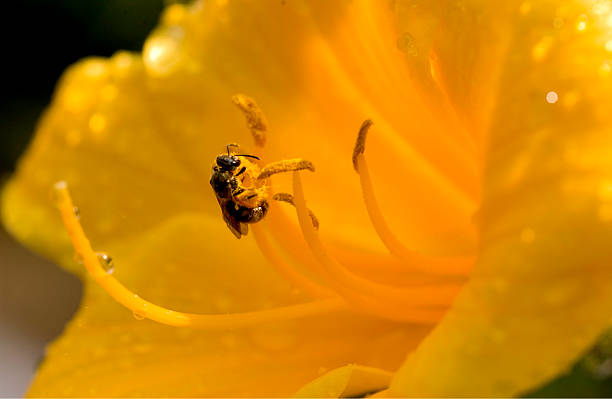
{"x": 145, "y": 309}
{"x": 256, "y": 120}
{"x": 441, "y": 294}
{"x": 288, "y": 198}
{"x": 360, "y": 142}
{"x": 284, "y": 269}
{"x": 286, "y": 165}
{"x": 290, "y": 241}
{"x": 430, "y": 264}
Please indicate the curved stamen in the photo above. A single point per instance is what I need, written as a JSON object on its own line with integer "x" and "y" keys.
{"x": 286, "y": 165}
{"x": 288, "y": 198}
{"x": 284, "y": 269}
{"x": 441, "y": 294}
{"x": 145, "y": 309}
{"x": 255, "y": 118}
{"x": 459, "y": 265}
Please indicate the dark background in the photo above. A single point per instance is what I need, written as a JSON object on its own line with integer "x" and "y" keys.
{"x": 40, "y": 38}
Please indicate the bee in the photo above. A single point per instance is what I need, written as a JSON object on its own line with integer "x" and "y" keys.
{"x": 242, "y": 189}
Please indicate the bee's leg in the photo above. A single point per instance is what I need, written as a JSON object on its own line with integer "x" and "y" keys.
{"x": 244, "y": 196}
{"x": 256, "y": 120}
{"x": 287, "y": 165}
{"x": 288, "y": 198}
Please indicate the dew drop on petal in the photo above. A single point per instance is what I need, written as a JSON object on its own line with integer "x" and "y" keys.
{"x": 139, "y": 314}
{"x": 552, "y": 97}
{"x": 106, "y": 262}
{"x": 77, "y": 212}
{"x": 581, "y": 23}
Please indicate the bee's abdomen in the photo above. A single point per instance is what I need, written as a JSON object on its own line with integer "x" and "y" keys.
{"x": 245, "y": 214}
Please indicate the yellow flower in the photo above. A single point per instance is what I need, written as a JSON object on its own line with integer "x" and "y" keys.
{"x": 497, "y": 107}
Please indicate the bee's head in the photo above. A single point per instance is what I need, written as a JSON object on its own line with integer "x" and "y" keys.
{"x": 228, "y": 162}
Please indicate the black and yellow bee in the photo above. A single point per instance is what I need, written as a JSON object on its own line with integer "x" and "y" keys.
{"x": 242, "y": 189}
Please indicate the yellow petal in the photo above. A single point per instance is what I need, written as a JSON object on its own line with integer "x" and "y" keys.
{"x": 134, "y": 137}
{"x": 106, "y": 352}
{"x": 540, "y": 294}
{"x": 346, "y": 382}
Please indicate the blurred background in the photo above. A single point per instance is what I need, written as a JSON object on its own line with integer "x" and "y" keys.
{"x": 40, "y": 39}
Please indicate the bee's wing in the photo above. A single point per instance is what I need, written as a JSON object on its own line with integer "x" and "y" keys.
{"x": 244, "y": 228}
{"x": 237, "y": 228}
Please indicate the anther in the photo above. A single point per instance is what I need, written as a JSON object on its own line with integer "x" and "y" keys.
{"x": 288, "y": 198}
{"x": 256, "y": 121}
{"x": 360, "y": 143}
{"x": 287, "y": 165}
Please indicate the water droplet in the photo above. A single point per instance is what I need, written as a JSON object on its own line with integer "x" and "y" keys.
{"x": 77, "y": 212}
{"x": 552, "y": 97}
{"x": 581, "y": 23}
{"x": 106, "y": 262}
{"x": 139, "y": 314}
{"x": 406, "y": 44}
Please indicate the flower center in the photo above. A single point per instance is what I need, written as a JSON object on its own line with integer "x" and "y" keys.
{"x": 423, "y": 286}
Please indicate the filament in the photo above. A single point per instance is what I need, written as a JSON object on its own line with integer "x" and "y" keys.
{"x": 146, "y": 309}
{"x": 431, "y": 264}
{"x": 428, "y": 296}
{"x": 284, "y": 269}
